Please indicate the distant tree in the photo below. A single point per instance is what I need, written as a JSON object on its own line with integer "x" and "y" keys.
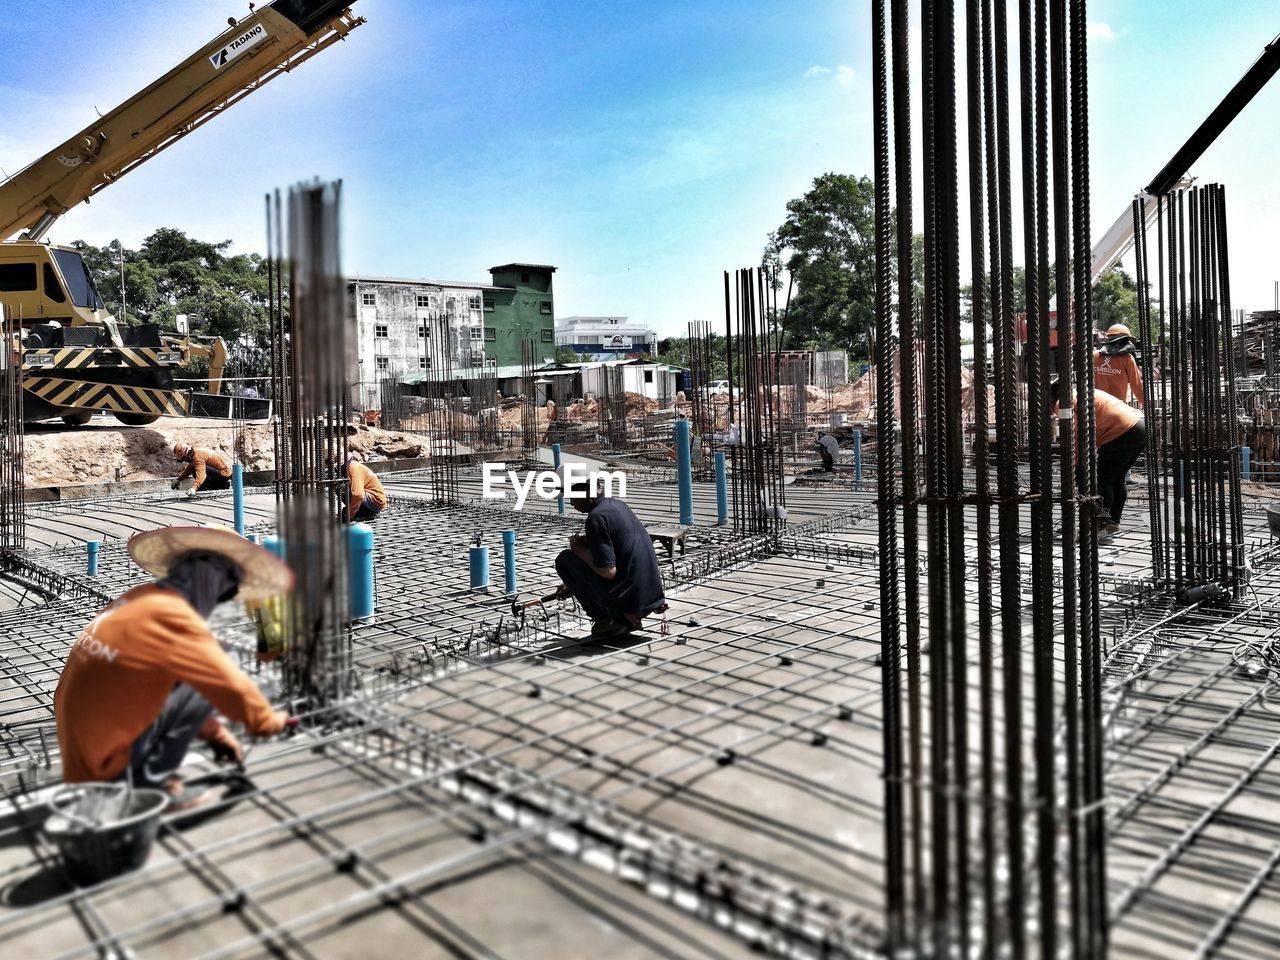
{"x": 172, "y": 273}
{"x": 566, "y": 355}
{"x": 1115, "y": 300}
{"x": 827, "y": 245}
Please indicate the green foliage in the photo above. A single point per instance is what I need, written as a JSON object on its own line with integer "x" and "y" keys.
{"x": 222, "y": 296}
{"x": 1115, "y": 300}
{"x": 566, "y": 355}
{"x": 827, "y": 244}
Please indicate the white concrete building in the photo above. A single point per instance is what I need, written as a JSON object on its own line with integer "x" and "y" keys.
{"x": 405, "y": 326}
{"x": 605, "y": 338}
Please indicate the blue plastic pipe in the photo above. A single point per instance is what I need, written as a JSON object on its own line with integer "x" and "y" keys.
{"x": 275, "y": 545}
{"x": 722, "y": 491}
{"x": 509, "y": 560}
{"x": 91, "y": 549}
{"x": 857, "y": 456}
{"x": 684, "y": 473}
{"x": 237, "y": 496}
{"x": 1246, "y": 463}
{"x": 555, "y": 456}
{"x": 360, "y": 573}
{"x": 479, "y": 568}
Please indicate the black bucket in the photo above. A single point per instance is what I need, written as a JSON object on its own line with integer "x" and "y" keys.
{"x": 103, "y": 829}
{"x": 1273, "y": 519}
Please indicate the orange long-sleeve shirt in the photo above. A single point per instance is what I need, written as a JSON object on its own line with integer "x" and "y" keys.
{"x": 201, "y": 461}
{"x": 1118, "y": 375}
{"x": 364, "y": 482}
{"x": 123, "y": 668}
{"x": 1112, "y": 417}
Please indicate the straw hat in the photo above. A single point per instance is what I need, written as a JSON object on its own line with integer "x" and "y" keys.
{"x": 1118, "y": 330}
{"x": 180, "y": 450}
{"x": 262, "y": 574}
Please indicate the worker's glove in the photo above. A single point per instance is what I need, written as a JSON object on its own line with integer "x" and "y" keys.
{"x": 276, "y": 723}
{"x": 226, "y": 748}
{"x": 175, "y": 484}
{"x": 191, "y": 493}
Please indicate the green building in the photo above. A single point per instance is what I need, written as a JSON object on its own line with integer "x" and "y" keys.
{"x": 519, "y": 306}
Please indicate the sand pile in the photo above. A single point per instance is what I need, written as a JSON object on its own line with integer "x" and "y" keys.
{"x": 106, "y": 452}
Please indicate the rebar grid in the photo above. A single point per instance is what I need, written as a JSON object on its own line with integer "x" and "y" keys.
{"x": 13, "y": 480}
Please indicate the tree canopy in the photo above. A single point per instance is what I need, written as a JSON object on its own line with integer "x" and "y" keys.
{"x": 827, "y": 245}
{"x": 171, "y": 273}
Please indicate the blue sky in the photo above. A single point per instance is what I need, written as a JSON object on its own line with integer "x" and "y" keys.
{"x": 642, "y": 148}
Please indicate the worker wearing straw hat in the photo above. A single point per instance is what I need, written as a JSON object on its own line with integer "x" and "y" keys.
{"x": 365, "y": 496}
{"x": 146, "y": 676}
{"x": 1115, "y": 370}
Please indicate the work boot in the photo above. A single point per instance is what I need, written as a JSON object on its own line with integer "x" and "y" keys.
{"x": 184, "y": 799}
{"x": 606, "y": 629}
{"x": 1107, "y": 530}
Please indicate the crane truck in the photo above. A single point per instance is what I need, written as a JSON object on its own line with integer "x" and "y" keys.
{"x": 76, "y": 359}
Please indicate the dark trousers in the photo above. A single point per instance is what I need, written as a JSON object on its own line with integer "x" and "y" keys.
{"x": 158, "y": 753}
{"x": 1114, "y": 461}
{"x": 828, "y": 461}
{"x": 589, "y": 588}
{"x": 213, "y": 480}
{"x": 368, "y": 511}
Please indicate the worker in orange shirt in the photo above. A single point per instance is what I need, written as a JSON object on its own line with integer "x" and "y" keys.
{"x": 146, "y": 676}
{"x": 211, "y": 469}
{"x": 1121, "y": 436}
{"x": 1115, "y": 368}
{"x": 366, "y": 498}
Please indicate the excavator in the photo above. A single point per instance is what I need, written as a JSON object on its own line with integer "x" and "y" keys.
{"x": 76, "y": 359}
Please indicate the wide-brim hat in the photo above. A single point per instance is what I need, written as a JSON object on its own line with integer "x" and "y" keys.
{"x": 262, "y": 574}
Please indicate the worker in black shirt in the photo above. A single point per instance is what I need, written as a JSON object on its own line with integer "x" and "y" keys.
{"x": 612, "y": 568}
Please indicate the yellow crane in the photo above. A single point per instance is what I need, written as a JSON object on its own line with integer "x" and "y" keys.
{"x": 76, "y": 359}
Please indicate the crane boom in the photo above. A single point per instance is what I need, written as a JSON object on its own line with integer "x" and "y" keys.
{"x": 253, "y": 51}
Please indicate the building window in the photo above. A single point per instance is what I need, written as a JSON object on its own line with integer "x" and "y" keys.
{"x": 424, "y": 301}
{"x": 380, "y": 330}
{"x": 545, "y": 307}
{"x": 490, "y": 333}
{"x": 488, "y": 305}
{"x": 548, "y": 336}
{"x": 473, "y": 303}
{"x": 477, "y": 333}
{"x": 422, "y": 363}
{"x": 524, "y": 276}
{"x": 381, "y": 363}
{"x": 648, "y": 376}
{"x": 369, "y": 299}
{"x": 451, "y": 307}
{"x": 422, "y": 331}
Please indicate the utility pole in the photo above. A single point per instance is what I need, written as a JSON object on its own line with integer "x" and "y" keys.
{"x": 123, "y": 315}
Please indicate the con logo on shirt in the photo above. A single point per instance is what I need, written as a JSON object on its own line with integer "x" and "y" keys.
{"x": 91, "y": 646}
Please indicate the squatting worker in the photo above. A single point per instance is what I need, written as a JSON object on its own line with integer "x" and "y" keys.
{"x": 1115, "y": 367}
{"x": 612, "y": 568}
{"x": 146, "y": 675}
{"x": 210, "y": 468}
{"x": 1121, "y": 436}
{"x": 366, "y": 498}
{"x": 827, "y": 447}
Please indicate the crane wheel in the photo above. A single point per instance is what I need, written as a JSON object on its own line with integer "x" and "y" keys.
{"x": 137, "y": 419}
{"x": 78, "y": 419}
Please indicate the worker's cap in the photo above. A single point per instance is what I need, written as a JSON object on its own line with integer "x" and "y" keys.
{"x": 180, "y": 450}
{"x": 262, "y": 574}
{"x": 1118, "y": 330}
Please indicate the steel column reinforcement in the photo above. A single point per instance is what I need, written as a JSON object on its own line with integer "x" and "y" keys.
{"x": 992, "y": 845}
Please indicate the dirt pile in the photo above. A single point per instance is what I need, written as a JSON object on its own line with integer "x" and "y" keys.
{"x": 104, "y": 452}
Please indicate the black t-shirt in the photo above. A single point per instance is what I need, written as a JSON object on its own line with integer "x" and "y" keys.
{"x": 617, "y": 538}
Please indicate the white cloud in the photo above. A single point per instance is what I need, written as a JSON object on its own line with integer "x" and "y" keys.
{"x": 842, "y": 74}
{"x": 1098, "y": 30}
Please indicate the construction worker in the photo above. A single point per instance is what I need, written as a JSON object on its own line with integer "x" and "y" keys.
{"x": 827, "y": 447}
{"x": 146, "y": 675}
{"x": 365, "y": 497}
{"x": 612, "y": 568}
{"x": 1115, "y": 368}
{"x": 1121, "y": 436}
{"x": 210, "y": 468}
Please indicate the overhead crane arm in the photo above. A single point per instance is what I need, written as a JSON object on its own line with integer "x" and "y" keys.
{"x": 270, "y": 41}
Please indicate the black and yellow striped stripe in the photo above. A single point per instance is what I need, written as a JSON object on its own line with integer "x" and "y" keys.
{"x": 114, "y": 397}
{"x": 87, "y": 358}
